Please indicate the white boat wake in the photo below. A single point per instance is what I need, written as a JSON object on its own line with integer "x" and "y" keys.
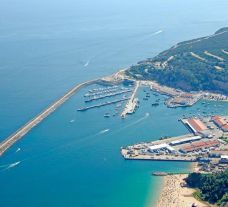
{"x": 72, "y": 121}
{"x": 8, "y": 166}
{"x": 137, "y": 121}
{"x": 104, "y": 131}
{"x": 158, "y": 32}
{"x": 13, "y": 164}
{"x": 18, "y": 149}
{"x": 86, "y": 64}
{"x": 3, "y": 166}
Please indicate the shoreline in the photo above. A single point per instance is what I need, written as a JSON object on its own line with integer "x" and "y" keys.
{"x": 173, "y": 194}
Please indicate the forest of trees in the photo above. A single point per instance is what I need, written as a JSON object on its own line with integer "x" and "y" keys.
{"x": 211, "y": 187}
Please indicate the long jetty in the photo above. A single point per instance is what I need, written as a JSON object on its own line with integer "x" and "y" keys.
{"x": 9, "y": 141}
{"x": 108, "y": 95}
{"x": 131, "y": 104}
{"x": 102, "y": 104}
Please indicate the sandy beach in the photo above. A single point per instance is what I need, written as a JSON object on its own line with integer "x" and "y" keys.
{"x": 173, "y": 195}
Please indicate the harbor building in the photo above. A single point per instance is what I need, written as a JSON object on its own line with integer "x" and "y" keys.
{"x": 185, "y": 140}
{"x": 197, "y": 127}
{"x": 200, "y": 145}
{"x": 163, "y": 146}
{"x": 220, "y": 122}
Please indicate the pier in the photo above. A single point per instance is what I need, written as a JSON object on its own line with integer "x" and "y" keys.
{"x": 108, "y": 95}
{"x": 8, "y": 142}
{"x": 101, "y": 91}
{"x": 102, "y": 104}
{"x": 132, "y": 103}
{"x": 154, "y": 157}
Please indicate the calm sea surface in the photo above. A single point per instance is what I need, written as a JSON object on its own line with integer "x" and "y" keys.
{"x": 73, "y": 158}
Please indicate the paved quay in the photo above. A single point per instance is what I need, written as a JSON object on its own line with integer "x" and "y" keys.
{"x": 132, "y": 103}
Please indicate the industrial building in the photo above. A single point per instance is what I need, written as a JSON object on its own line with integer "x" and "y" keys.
{"x": 200, "y": 145}
{"x": 163, "y": 146}
{"x": 220, "y": 122}
{"x": 185, "y": 140}
{"x": 197, "y": 127}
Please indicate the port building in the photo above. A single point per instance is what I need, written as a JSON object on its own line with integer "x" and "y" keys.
{"x": 220, "y": 122}
{"x": 163, "y": 146}
{"x": 200, "y": 145}
{"x": 197, "y": 127}
{"x": 185, "y": 140}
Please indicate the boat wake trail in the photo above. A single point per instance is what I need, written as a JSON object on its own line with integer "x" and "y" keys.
{"x": 13, "y": 164}
{"x": 137, "y": 121}
{"x": 8, "y": 166}
{"x": 104, "y": 131}
{"x": 158, "y": 32}
{"x": 86, "y": 64}
{"x": 4, "y": 166}
{"x": 18, "y": 149}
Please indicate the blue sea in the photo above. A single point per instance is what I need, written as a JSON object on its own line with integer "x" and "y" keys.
{"x": 73, "y": 158}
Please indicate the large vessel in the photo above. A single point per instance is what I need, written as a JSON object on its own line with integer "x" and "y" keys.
{"x": 106, "y": 115}
{"x": 159, "y": 173}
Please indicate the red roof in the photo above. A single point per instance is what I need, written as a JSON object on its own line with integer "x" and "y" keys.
{"x": 225, "y": 127}
{"x": 197, "y": 124}
{"x": 219, "y": 120}
{"x": 200, "y": 145}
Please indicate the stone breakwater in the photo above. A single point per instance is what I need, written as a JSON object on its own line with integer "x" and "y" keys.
{"x": 115, "y": 78}
{"x": 9, "y": 141}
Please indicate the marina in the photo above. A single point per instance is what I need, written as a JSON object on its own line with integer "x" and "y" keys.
{"x": 102, "y": 104}
{"x": 95, "y": 97}
{"x": 99, "y": 91}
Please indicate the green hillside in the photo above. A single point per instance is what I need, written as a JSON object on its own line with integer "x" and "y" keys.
{"x": 198, "y": 64}
{"x": 211, "y": 187}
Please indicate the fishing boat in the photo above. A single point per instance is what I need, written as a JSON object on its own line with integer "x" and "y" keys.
{"x": 106, "y": 115}
{"x": 159, "y": 173}
{"x": 154, "y": 104}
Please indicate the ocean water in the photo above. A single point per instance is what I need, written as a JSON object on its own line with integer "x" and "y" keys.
{"x": 49, "y": 46}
